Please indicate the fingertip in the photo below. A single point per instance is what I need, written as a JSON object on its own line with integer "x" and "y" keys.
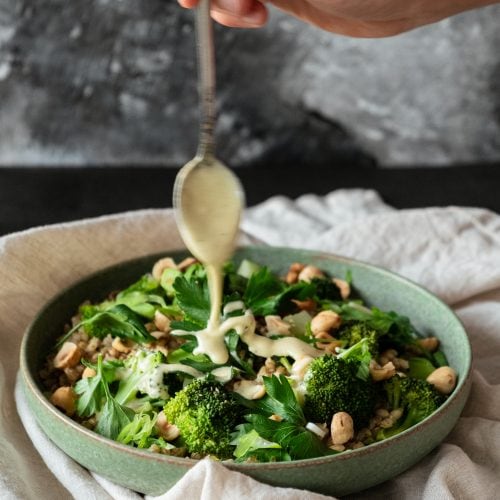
{"x": 253, "y": 18}
{"x": 188, "y": 4}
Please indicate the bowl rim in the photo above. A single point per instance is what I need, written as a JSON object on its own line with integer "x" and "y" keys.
{"x": 463, "y": 384}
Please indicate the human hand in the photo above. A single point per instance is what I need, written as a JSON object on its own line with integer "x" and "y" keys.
{"x": 359, "y": 18}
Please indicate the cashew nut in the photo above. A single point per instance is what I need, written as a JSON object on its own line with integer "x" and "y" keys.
{"x": 64, "y": 398}
{"x": 324, "y": 336}
{"x": 310, "y": 272}
{"x": 429, "y": 344}
{"x": 88, "y": 372}
{"x": 161, "y": 265}
{"x": 162, "y": 322}
{"x": 344, "y": 287}
{"x": 118, "y": 345}
{"x": 443, "y": 379}
{"x": 249, "y": 389}
{"x": 342, "y": 428}
{"x": 331, "y": 347}
{"x": 297, "y": 267}
{"x": 305, "y": 305}
{"x": 68, "y": 356}
{"x": 387, "y": 355}
{"x": 275, "y": 324}
{"x": 325, "y": 321}
{"x": 379, "y": 373}
{"x": 184, "y": 264}
{"x": 158, "y": 335}
{"x": 166, "y": 430}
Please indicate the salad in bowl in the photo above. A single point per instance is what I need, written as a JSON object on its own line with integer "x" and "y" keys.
{"x": 303, "y": 368}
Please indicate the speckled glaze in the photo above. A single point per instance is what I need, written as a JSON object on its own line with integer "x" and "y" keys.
{"x": 336, "y": 475}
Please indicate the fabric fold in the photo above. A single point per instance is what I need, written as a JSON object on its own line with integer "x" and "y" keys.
{"x": 452, "y": 251}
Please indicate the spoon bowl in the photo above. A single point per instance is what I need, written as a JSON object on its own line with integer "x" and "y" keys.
{"x": 208, "y": 197}
{"x": 208, "y": 200}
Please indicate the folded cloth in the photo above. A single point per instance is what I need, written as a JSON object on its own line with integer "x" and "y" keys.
{"x": 454, "y": 252}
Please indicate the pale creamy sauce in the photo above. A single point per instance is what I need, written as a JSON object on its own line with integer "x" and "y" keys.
{"x": 153, "y": 385}
{"x": 244, "y": 326}
{"x": 210, "y": 203}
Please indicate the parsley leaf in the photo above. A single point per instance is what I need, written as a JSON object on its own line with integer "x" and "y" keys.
{"x": 267, "y": 294}
{"x": 193, "y": 298}
{"x": 294, "y": 439}
{"x": 261, "y": 287}
{"x": 117, "y": 321}
{"x": 90, "y": 389}
{"x": 290, "y": 433}
{"x": 114, "y": 417}
{"x": 280, "y": 400}
{"x": 90, "y": 396}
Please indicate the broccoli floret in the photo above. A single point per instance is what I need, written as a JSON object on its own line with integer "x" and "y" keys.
{"x": 206, "y": 414}
{"x": 353, "y": 332}
{"x": 333, "y": 385}
{"x": 416, "y": 397}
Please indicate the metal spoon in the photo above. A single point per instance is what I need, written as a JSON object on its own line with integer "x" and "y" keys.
{"x": 208, "y": 197}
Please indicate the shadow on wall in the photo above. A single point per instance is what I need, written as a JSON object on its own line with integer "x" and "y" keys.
{"x": 105, "y": 82}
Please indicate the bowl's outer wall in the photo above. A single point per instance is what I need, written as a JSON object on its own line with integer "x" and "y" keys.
{"x": 338, "y": 475}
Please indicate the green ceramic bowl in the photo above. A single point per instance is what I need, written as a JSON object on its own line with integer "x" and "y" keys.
{"x": 336, "y": 475}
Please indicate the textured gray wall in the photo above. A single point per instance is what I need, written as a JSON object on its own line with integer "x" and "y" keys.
{"x": 113, "y": 81}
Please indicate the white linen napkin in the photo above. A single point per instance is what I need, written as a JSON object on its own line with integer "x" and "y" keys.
{"x": 454, "y": 252}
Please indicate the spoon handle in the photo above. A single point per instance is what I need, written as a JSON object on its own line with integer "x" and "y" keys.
{"x": 206, "y": 78}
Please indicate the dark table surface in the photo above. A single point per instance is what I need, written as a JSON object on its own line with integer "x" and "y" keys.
{"x": 35, "y": 196}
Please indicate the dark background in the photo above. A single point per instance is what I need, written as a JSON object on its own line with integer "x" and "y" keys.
{"x": 34, "y": 196}
{"x": 98, "y": 109}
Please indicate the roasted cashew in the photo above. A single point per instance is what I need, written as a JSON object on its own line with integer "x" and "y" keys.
{"x": 310, "y": 272}
{"x": 429, "y": 344}
{"x": 443, "y": 379}
{"x": 88, "y": 372}
{"x": 342, "y": 428}
{"x": 325, "y": 321}
{"x": 249, "y": 389}
{"x": 344, "y": 287}
{"x": 275, "y": 324}
{"x": 185, "y": 263}
{"x": 118, "y": 345}
{"x": 64, "y": 398}
{"x": 305, "y": 305}
{"x": 166, "y": 430}
{"x": 293, "y": 272}
{"x": 162, "y": 322}
{"x": 68, "y": 356}
{"x": 379, "y": 373}
{"x": 161, "y": 265}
